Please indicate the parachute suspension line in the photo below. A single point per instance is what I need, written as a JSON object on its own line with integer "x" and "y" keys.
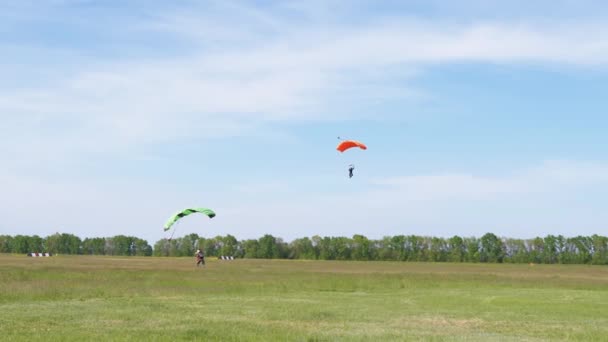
{"x": 174, "y": 229}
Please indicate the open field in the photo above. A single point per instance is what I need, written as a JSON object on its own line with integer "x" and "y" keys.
{"x": 76, "y": 298}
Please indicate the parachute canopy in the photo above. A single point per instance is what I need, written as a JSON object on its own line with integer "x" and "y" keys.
{"x": 187, "y": 212}
{"x": 346, "y": 144}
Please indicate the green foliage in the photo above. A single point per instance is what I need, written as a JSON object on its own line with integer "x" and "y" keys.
{"x": 93, "y": 246}
{"x": 6, "y": 244}
{"x": 250, "y": 248}
{"x": 267, "y": 247}
{"x": 456, "y": 249}
{"x": 487, "y": 249}
{"x": 26, "y": 244}
{"x": 600, "y": 250}
{"x": 492, "y": 249}
{"x": 229, "y": 245}
{"x": 302, "y": 249}
{"x": 63, "y": 244}
{"x": 361, "y": 248}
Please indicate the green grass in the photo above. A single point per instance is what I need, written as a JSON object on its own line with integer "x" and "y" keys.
{"x": 76, "y": 298}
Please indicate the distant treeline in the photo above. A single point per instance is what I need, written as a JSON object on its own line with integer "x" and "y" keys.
{"x": 489, "y": 248}
{"x": 71, "y": 244}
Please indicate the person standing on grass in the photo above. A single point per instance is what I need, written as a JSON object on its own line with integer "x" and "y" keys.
{"x": 200, "y": 258}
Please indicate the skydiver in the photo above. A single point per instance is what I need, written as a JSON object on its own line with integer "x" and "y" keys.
{"x": 200, "y": 258}
{"x": 351, "y": 167}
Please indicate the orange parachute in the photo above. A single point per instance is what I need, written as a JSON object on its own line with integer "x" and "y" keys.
{"x": 346, "y": 144}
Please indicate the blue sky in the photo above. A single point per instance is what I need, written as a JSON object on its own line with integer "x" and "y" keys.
{"x": 479, "y": 116}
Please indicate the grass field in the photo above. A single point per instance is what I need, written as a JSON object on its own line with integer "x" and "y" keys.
{"x": 76, "y": 298}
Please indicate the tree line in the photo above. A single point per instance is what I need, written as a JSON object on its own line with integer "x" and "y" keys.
{"x": 488, "y": 248}
{"x": 72, "y": 244}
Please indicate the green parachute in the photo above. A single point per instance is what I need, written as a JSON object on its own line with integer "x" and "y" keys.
{"x": 187, "y": 212}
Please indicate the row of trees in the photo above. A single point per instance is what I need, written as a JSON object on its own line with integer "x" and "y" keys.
{"x": 72, "y": 244}
{"x": 488, "y": 248}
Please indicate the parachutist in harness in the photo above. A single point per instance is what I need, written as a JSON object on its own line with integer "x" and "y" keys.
{"x": 346, "y": 145}
{"x": 200, "y": 258}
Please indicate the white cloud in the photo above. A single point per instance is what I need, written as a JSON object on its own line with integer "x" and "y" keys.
{"x": 236, "y": 69}
{"x": 294, "y": 76}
